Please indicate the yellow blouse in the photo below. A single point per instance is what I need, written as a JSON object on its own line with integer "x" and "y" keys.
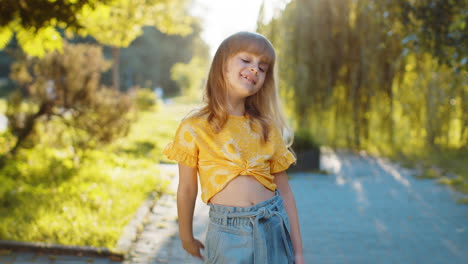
{"x": 236, "y": 150}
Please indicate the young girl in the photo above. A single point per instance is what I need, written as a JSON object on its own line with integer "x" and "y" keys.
{"x": 236, "y": 145}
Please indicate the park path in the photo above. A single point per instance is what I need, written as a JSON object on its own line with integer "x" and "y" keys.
{"x": 367, "y": 210}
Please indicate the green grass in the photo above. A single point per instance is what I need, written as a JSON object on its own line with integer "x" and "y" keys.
{"x": 446, "y": 166}
{"x": 3, "y": 105}
{"x": 46, "y": 197}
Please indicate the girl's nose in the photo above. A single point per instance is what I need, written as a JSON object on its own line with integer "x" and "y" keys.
{"x": 253, "y": 70}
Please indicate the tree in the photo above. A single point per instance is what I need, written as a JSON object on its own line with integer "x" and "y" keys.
{"x": 36, "y": 22}
{"x": 65, "y": 87}
{"x": 438, "y": 27}
{"x": 357, "y": 74}
{"x": 120, "y": 22}
{"x": 147, "y": 62}
{"x": 115, "y": 23}
{"x": 190, "y": 76}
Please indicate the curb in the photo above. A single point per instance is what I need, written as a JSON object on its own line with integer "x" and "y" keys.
{"x": 60, "y": 249}
{"x": 130, "y": 231}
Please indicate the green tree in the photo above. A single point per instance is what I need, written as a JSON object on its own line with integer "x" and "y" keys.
{"x": 190, "y": 76}
{"x": 35, "y": 23}
{"x": 65, "y": 88}
{"x": 357, "y": 75}
{"x": 120, "y": 22}
{"x": 438, "y": 27}
{"x": 115, "y": 23}
{"x": 147, "y": 62}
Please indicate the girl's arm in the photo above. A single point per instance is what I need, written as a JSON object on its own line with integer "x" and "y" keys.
{"x": 186, "y": 194}
{"x": 281, "y": 180}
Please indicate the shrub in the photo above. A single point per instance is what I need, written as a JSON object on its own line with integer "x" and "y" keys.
{"x": 65, "y": 87}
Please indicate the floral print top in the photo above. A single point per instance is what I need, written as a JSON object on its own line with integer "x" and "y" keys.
{"x": 235, "y": 150}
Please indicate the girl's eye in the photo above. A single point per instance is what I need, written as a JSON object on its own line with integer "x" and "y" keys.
{"x": 248, "y": 61}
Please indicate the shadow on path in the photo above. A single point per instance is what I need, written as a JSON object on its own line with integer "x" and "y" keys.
{"x": 367, "y": 211}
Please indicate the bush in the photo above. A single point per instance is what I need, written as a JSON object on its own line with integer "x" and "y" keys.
{"x": 146, "y": 99}
{"x": 304, "y": 141}
{"x": 65, "y": 87}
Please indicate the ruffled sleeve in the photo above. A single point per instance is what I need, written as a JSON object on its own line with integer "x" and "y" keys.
{"x": 183, "y": 148}
{"x": 282, "y": 157}
{"x": 282, "y": 162}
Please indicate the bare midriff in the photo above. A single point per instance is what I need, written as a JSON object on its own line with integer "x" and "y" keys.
{"x": 242, "y": 191}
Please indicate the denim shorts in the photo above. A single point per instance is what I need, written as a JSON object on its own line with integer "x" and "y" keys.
{"x": 249, "y": 235}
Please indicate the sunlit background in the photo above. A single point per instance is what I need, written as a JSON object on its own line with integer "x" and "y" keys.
{"x": 223, "y": 18}
{"x": 90, "y": 96}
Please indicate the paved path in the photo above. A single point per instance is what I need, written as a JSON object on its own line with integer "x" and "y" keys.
{"x": 367, "y": 211}
{"x": 371, "y": 211}
{"x": 159, "y": 241}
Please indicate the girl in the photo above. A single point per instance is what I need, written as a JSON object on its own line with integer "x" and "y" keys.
{"x": 236, "y": 145}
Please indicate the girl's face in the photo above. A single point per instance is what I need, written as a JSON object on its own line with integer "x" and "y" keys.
{"x": 245, "y": 74}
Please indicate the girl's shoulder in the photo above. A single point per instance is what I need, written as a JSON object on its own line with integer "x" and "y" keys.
{"x": 195, "y": 120}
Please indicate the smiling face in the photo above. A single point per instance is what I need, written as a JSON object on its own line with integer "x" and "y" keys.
{"x": 245, "y": 74}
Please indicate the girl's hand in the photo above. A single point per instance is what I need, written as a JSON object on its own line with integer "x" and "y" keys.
{"x": 299, "y": 259}
{"x": 193, "y": 247}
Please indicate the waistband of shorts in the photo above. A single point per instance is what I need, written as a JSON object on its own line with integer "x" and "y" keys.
{"x": 220, "y": 211}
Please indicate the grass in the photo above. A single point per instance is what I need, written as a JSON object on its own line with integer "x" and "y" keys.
{"x": 446, "y": 166}
{"x": 45, "y": 197}
{"x": 3, "y": 105}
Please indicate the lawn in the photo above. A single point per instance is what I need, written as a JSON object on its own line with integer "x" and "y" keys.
{"x": 446, "y": 166}
{"x": 46, "y": 197}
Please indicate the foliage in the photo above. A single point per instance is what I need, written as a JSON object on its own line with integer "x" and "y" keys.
{"x": 36, "y": 22}
{"x": 368, "y": 74}
{"x": 45, "y": 197}
{"x": 364, "y": 87}
{"x": 438, "y": 27}
{"x": 190, "y": 76}
{"x": 65, "y": 87}
{"x": 117, "y": 24}
{"x": 304, "y": 141}
{"x": 146, "y": 99}
{"x": 147, "y": 62}
{"x": 120, "y": 22}
{"x": 41, "y": 13}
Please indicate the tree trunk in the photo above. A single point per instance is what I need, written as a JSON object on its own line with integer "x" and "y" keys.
{"x": 464, "y": 118}
{"x": 115, "y": 68}
{"x": 23, "y": 134}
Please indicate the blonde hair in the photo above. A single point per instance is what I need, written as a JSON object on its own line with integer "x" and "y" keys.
{"x": 264, "y": 107}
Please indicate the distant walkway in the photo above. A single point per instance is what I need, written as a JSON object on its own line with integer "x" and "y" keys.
{"x": 367, "y": 211}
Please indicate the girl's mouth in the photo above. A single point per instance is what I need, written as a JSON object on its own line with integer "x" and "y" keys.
{"x": 248, "y": 78}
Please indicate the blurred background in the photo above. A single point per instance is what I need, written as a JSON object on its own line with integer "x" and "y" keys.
{"x": 91, "y": 91}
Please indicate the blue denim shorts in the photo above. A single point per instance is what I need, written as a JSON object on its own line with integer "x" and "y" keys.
{"x": 250, "y": 235}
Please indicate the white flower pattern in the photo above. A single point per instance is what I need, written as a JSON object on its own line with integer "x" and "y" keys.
{"x": 236, "y": 150}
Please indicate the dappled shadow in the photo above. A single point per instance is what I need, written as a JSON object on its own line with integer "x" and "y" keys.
{"x": 390, "y": 214}
{"x": 361, "y": 213}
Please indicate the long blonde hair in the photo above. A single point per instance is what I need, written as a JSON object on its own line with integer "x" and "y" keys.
{"x": 264, "y": 107}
